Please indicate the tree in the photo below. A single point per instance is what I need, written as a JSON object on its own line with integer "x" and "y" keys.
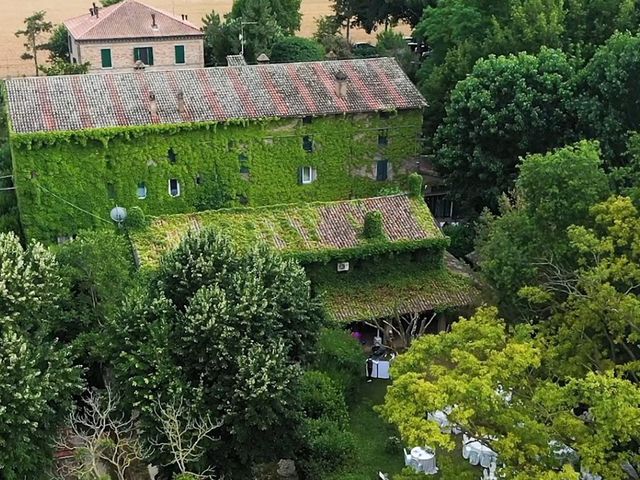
{"x": 220, "y": 328}
{"x": 35, "y": 26}
{"x": 37, "y": 379}
{"x": 108, "y": 3}
{"x": 219, "y": 40}
{"x": 327, "y": 34}
{"x": 296, "y": 49}
{"x": 285, "y": 12}
{"x": 58, "y": 44}
{"x": 493, "y": 382}
{"x": 100, "y": 434}
{"x": 553, "y": 192}
{"x": 508, "y": 107}
{"x": 392, "y": 44}
{"x": 183, "y": 435}
{"x": 61, "y": 67}
{"x": 608, "y": 100}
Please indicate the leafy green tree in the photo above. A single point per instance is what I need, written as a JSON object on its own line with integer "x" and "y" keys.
{"x": 61, "y": 67}
{"x": 493, "y": 381}
{"x": 34, "y": 26}
{"x": 327, "y": 34}
{"x": 285, "y": 12}
{"x": 108, "y": 3}
{"x": 296, "y": 49}
{"x": 608, "y": 100}
{"x": 219, "y": 40}
{"x": 392, "y": 44}
{"x": 553, "y": 192}
{"x": 58, "y": 44}
{"x": 222, "y": 328}
{"x": 508, "y": 107}
{"x": 37, "y": 379}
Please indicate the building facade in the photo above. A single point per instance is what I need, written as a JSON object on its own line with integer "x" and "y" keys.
{"x": 130, "y": 34}
{"x": 184, "y": 141}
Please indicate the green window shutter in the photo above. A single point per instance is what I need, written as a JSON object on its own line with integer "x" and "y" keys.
{"x": 180, "y": 54}
{"x": 136, "y": 54}
{"x": 150, "y": 55}
{"x": 105, "y": 53}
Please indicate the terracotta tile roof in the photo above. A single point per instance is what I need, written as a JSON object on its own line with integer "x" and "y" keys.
{"x": 211, "y": 94}
{"x": 330, "y": 226}
{"x": 129, "y": 19}
{"x": 357, "y": 299}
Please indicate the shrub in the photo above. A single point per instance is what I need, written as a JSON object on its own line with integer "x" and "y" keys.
{"x": 296, "y": 49}
{"x": 415, "y": 185}
{"x": 462, "y": 238}
{"x": 135, "y": 218}
{"x": 321, "y": 398}
{"x": 373, "y": 229}
{"x": 341, "y": 357}
{"x": 328, "y": 448}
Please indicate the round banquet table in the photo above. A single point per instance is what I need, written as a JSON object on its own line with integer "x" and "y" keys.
{"x": 424, "y": 460}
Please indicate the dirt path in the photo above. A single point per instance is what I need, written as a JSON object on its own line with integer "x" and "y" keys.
{"x": 13, "y": 13}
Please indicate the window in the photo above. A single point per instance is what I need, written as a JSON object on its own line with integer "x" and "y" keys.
{"x": 307, "y": 175}
{"x": 105, "y": 54}
{"x": 171, "y": 155}
{"x": 141, "y": 191}
{"x": 174, "y": 187}
{"x": 231, "y": 145}
{"x": 307, "y": 143}
{"x": 180, "y": 58}
{"x": 144, "y": 54}
{"x": 383, "y": 138}
{"x": 198, "y": 179}
{"x": 307, "y": 120}
{"x": 382, "y": 170}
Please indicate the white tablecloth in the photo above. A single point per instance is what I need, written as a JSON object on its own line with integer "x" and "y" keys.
{"x": 380, "y": 369}
{"x": 477, "y": 453}
{"x": 423, "y": 460}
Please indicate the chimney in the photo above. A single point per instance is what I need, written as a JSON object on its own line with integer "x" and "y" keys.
{"x": 153, "y": 107}
{"x": 181, "y": 106}
{"x": 341, "y": 84}
{"x": 154, "y": 25}
{"x": 91, "y": 11}
{"x": 95, "y": 9}
{"x": 263, "y": 59}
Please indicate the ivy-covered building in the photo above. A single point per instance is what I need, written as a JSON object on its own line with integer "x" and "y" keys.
{"x": 190, "y": 140}
{"x": 371, "y": 258}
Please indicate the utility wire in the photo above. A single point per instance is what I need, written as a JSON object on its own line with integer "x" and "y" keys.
{"x": 71, "y": 204}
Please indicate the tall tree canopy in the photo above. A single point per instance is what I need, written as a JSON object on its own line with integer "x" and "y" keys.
{"x": 222, "y": 329}
{"x": 34, "y": 27}
{"x": 285, "y": 12}
{"x": 508, "y": 107}
{"x": 37, "y": 379}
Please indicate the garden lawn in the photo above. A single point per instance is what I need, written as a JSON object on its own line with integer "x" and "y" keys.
{"x": 371, "y": 435}
{"x": 372, "y": 455}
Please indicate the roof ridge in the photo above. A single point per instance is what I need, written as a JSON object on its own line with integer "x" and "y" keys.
{"x": 172, "y": 16}
{"x": 111, "y": 9}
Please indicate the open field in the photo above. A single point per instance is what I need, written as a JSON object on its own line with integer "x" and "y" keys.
{"x": 13, "y": 12}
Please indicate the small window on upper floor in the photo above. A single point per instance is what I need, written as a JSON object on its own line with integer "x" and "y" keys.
{"x": 171, "y": 155}
{"x": 144, "y": 54}
{"x": 174, "y": 187}
{"x": 198, "y": 179}
{"x": 383, "y": 138}
{"x": 307, "y": 174}
{"x": 111, "y": 190}
{"x": 308, "y": 120}
{"x": 141, "y": 191}
{"x": 105, "y": 57}
{"x": 307, "y": 143}
{"x": 180, "y": 55}
{"x": 382, "y": 170}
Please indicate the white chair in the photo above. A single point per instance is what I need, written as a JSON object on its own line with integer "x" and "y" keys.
{"x": 474, "y": 457}
{"x": 485, "y": 460}
{"x": 408, "y": 461}
{"x": 465, "y": 451}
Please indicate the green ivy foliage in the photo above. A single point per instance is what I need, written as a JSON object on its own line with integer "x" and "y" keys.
{"x": 373, "y": 228}
{"x": 217, "y": 165}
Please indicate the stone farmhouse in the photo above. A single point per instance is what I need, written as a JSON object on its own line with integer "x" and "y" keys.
{"x": 131, "y": 35}
{"x": 179, "y": 141}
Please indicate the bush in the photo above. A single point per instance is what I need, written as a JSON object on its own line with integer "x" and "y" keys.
{"x": 321, "y": 398}
{"x": 328, "y": 448}
{"x": 373, "y": 228}
{"x": 296, "y": 49}
{"x": 341, "y": 357}
{"x": 415, "y": 185}
{"x": 135, "y": 218}
{"x": 462, "y": 238}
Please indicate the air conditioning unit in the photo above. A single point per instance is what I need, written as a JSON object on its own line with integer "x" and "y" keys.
{"x": 343, "y": 266}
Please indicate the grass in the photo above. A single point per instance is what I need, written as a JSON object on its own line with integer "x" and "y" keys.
{"x": 372, "y": 454}
{"x": 371, "y": 433}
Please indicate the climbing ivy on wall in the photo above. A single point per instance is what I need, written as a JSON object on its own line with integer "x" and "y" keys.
{"x": 216, "y": 165}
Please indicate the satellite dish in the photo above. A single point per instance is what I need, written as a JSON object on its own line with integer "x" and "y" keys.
{"x": 118, "y": 214}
